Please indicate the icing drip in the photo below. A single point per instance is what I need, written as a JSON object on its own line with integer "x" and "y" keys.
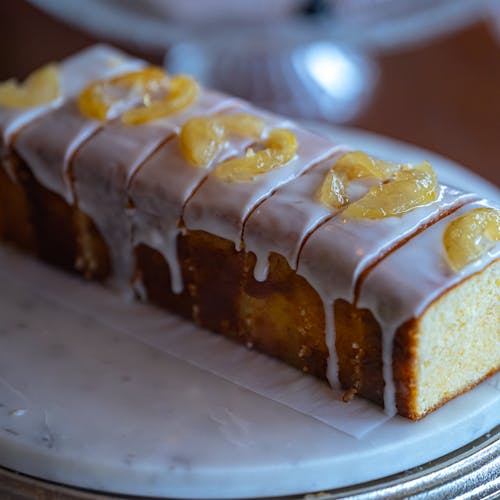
{"x": 396, "y": 291}
{"x": 389, "y": 387}
{"x": 139, "y": 289}
{"x": 160, "y": 234}
{"x": 159, "y": 192}
{"x": 106, "y": 165}
{"x": 221, "y": 208}
{"x": 261, "y": 269}
{"x": 332, "y": 371}
{"x": 283, "y": 221}
{"x": 101, "y": 170}
{"x": 49, "y": 155}
{"x": 336, "y": 254}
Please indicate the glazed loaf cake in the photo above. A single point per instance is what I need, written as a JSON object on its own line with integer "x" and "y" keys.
{"x": 366, "y": 273}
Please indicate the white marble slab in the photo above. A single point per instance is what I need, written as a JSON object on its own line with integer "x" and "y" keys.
{"x": 100, "y": 401}
{"x": 121, "y": 397}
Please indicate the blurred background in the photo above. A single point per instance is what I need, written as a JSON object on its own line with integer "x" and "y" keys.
{"x": 422, "y": 71}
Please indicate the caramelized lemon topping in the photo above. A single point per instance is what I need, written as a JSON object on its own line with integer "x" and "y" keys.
{"x": 470, "y": 236}
{"x": 183, "y": 92}
{"x": 159, "y": 95}
{"x": 332, "y": 192}
{"x": 201, "y": 138}
{"x": 41, "y": 87}
{"x": 399, "y": 188}
{"x": 410, "y": 188}
{"x": 280, "y": 147}
{"x": 358, "y": 165}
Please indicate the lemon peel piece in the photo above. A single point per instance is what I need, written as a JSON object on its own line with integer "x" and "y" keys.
{"x": 332, "y": 192}
{"x": 202, "y": 137}
{"x": 358, "y": 165}
{"x": 183, "y": 92}
{"x": 470, "y": 236}
{"x": 160, "y": 95}
{"x": 41, "y": 87}
{"x": 399, "y": 188}
{"x": 354, "y": 165}
{"x": 280, "y": 147}
{"x": 408, "y": 189}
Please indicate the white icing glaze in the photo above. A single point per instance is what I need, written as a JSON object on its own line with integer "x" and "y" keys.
{"x": 208, "y": 102}
{"x": 332, "y": 368}
{"x": 49, "y": 154}
{"x": 162, "y": 187}
{"x": 221, "y": 208}
{"x": 106, "y": 164}
{"x": 48, "y": 144}
{"x": 336, "y": 254}
{"x": 101, "y": 170}
{"x": 396, "y": 290}
{"x": 282, "y": 222}
{"x": 75, "y": 72}
{"x": 160, "y": 233}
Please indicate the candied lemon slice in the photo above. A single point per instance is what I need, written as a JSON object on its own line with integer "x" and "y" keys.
{"x": 159, "y": 95}
{"x": 470, "y": 236}
{"x": 41, "y": 87}
{"x": 281, "y": 146}
{"x": 99, "y": 96}
{"x": 409, "y": 189}
{"x": 351, "y": 166}
{"x": 183, "y": 92}
{"x": 200, "y": 140}
{"x": 244, "y": 124}
{"x": 150, "y": 78}
{"x": 203, "y": 136}
{"x": 386, "y": 169}
{"x": 358, "y": 165}
{"x": 332, "y": 192}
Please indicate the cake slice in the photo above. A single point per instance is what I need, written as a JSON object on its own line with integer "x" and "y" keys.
{"x": 260, "y": 230}
{"x": 441, "y": 327}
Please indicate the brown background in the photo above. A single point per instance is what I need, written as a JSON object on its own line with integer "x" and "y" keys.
{"x": 443, "y": 96}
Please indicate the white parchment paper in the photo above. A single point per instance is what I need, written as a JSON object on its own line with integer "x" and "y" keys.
{"x": 207, "y": 351}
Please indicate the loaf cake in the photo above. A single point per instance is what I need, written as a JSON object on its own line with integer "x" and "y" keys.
{"x": 368, "y": 274}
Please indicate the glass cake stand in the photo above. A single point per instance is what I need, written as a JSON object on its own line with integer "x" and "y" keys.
{"x": 305, "y": 58}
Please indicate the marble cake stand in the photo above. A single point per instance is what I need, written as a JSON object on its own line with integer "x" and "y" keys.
{"x": 92, "y": 396}
{"x": 470, "y": 472}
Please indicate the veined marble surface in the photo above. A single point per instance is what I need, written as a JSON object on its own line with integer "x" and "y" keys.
{"x": 102, "y": 394}
{"x": 102, "y": 400}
